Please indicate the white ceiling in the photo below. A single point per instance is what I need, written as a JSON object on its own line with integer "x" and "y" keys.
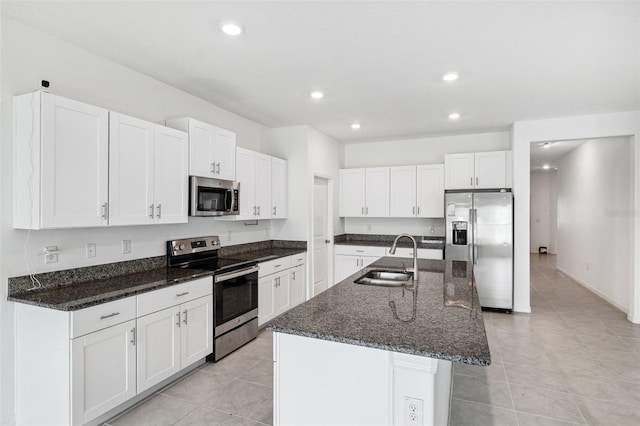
{"x": 378, "y": 63}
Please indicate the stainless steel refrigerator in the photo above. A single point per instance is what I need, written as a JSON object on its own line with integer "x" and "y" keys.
{"x": 480, "y": 230}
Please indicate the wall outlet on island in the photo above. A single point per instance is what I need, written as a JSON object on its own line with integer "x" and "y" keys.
{"x": 91, "y": 250}
{"x": 126, "y": 246}
{"x": 413, "y": 411}
{"x": 368, "y": 227}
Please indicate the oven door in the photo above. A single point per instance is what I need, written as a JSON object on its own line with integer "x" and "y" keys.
{"x": 212, "y": 197}
{"x": 235, "y": 298}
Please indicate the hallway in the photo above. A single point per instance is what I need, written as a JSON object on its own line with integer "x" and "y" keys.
{"x": 574, "y": 360}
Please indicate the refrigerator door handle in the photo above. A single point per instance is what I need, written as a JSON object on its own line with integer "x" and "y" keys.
{"x": 470, "y": 241}
{"x": 475, "y": 236}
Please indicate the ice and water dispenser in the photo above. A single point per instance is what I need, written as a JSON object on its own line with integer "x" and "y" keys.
{"x": 459, "y": 233}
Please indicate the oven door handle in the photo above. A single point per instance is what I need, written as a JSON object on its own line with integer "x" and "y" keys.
{"x": 234, "y": 274}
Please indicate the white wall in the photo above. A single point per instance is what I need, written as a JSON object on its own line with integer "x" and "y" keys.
{"x": 582, "y": 127}
{"x": 431, "y": 150}
{"x": 594, "y": 217}
{"x": 409, "y": 152}
{"x": 543, "y": 211}
{"x": 29, "y": 56}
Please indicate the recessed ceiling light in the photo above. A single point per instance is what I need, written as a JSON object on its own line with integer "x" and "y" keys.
{"x": 454, "y": 116}
{"x": 355, "y": 126}
{"x": 316, "y": 94}
{"x": 231, "y": 28}
{"x": 546, "y": 144}
{"x": 546, "y": 167}
{"x": 450, "y": 76}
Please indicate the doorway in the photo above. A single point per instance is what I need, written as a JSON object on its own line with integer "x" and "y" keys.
{"x": 320, "y": 230}
{"x": 581, "y": 199}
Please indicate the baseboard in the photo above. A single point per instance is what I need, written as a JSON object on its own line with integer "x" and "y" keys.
{"x": 593, "y": 290}
{"x": 523, "y": 309}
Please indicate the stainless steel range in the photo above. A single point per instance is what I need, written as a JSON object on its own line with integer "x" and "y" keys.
{"x": 235, "y": 290}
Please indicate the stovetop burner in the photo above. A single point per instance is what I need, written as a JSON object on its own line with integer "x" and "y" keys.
{"x": 202, "y": 253}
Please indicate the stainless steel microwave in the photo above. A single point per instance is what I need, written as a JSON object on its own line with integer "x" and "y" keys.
{"x": 213, "y": 197}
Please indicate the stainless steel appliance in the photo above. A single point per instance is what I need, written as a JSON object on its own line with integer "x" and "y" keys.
{"x": 213, "y": 197}
{"x": 480, "y": 230}
{"x": 235, "y": 290}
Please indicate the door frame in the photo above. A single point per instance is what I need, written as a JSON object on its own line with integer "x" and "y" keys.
{"x": 525, "y": 133}
{"x": 330, "y": 231}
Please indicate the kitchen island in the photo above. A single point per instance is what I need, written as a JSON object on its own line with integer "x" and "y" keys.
{"x": 363, "y": 355}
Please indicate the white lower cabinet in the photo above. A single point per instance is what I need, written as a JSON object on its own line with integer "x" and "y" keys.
{"x": 351, "y": 259}
{"x": 281, "y": 286}
{"x": 101, "y": 357}
{"x": 103, "y": 371}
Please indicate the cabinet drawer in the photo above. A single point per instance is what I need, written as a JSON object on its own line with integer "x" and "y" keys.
{"x": 298, "y": 259}
{"x": 160, "y": 299}
{"x": 273, "y": 266}
{"x": 95, "y": 318}
{"x": 360, "y": 250}
{"x": 422, "y": 253}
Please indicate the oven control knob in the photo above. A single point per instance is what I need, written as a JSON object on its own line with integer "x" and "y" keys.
{"x": 181, "y": 246}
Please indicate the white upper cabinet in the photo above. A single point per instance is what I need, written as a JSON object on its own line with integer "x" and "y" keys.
{"x": 253, "y": 172}
{"x": 403, "y": 191}
{"x": 491, "y": 169}
{"x": 60, "y": 163}
{"x": 279, "y": 188}
{"x": 364, "y": 192}
{"x": 212, "y": 150}
{"x": 147, "y": 172}
{"x": 430, "y": 190}
{"x": 459, "y": 171}
{"x": 480, "y": 170}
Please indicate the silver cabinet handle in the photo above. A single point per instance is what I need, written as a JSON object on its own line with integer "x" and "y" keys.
{"x": 110, "y": 315}
{"x": 359, "y": 251}
{"x": 133, "y": 336}
{"x": 476, "y": 181}
{"x": 418, "y": 209}
{"x": 363, "y": 211}
{"x": 151, "y": 211}
{"x": 159, "y": 215}
{"x": 178, "y": 319}
{"x": 293, "y": 275}
{"x": 213, "y": 167}
{"x": 218, "y": 168}
{"x": 274, "y": 210}
{"x": 414, "y": 209}
{"x": 366, "y": 209}
{"x": 471, "y": 181}
{"x": 258, "y": 210}
{"x": 255, "y": 209}
{"x": 105, "y": 211}
{"x": 182, "y": 294}
{"x": 185, "y": 317}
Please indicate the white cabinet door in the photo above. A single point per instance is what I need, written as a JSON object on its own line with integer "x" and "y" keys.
{"x": 282, "y": 300}
{"x": 430, "y": 190}
{"x": 403, "y": 191}
{"x": 352, "y": 192}
{"x": 279, "y": 188}
{"x": 196, "y": 337}
{"x": 224, "y": 154}
{"x": 345, "y": 265}
{"x": 201, "y": 148}
{"x": 490, "y": 170}
{"x": 367, "y": 260}
{"x": 61, "y": 162}
{"x": 298, "y": 282}
{"x": 266, "y": 298}
{"x": 158, "y": 353}
{"x": 459, "y": 171}
{"x": 377, "y": 192}
{"x": 171, "y": 169}
{"x": 246, "y": 176}
{"x": 262, "y": 186}
{"x": 103, "y": 371}
{"x": 131, "y": 170}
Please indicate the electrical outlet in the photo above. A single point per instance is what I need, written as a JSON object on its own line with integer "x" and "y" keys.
{"x": 126, "y": 246}
{"x": 51, "y": 254}
{"x": 368, "y": 227}
{"x": 413, "y": 411}
{"x": 91, "y": 250}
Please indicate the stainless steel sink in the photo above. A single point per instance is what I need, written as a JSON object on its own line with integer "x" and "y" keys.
{"x": 385, "y": 278}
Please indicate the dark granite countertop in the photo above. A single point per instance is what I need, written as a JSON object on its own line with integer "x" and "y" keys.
{"x": 82, "y": 295}
{"x": 374, "y": 240}
{"x": 439, "y": 317}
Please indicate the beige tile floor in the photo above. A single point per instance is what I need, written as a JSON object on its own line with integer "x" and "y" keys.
{"x": 574, "y": 360}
